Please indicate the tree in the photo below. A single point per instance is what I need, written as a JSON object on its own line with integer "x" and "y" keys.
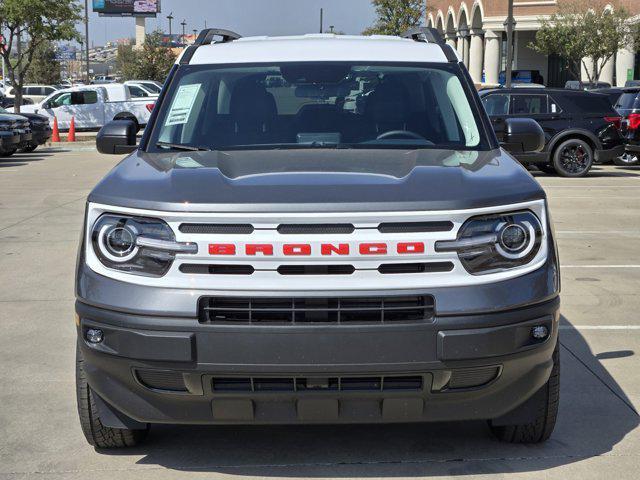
{"x": 396, "y": 16}
{"x": 152, "y": 62}
{"x": 27, "y": 24}
{"x": 45, "y": 69}
{"x": 579, "y": 32}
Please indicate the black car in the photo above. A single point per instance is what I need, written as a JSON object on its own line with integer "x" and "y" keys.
{"x": 10, "y": 135}
{"x": 40, "y": 130}
{"x": 580, "y": 127}
{"x": 628, "y": 107}
{"x": 613, "y": 93}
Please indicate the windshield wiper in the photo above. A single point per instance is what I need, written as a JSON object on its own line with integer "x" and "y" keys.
{"x": 182, "y": 146}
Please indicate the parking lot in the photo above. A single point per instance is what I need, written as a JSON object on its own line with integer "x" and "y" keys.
{"x": 597, "y": 221}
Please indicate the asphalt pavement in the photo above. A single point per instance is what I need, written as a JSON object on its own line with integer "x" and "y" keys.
{"x": 597, "y": 222}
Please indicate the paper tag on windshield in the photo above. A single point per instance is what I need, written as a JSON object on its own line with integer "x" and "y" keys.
{"x": 182, "y": 104}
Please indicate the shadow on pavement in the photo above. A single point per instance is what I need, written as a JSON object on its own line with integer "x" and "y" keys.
{"x": 595, "y": 415}
{"x": 21, "y": 159}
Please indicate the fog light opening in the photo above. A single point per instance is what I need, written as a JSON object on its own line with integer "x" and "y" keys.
{"x": 94, "y": 335}
{"x": 540, "y": 332}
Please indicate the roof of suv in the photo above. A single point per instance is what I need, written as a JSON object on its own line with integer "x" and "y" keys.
{"x": 318, "y": 48}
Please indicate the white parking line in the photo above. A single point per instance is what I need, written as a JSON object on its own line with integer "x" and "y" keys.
{"x": 599, "y": 327}
{"x": 593, "y": 186}
{"x": 599, "y": 266}
{"x": 599, "y": 232}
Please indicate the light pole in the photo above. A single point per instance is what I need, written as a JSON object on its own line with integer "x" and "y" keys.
{"x": 184, "y": 24}
{"x": 170, "y": 17}
{"x": 510, "y": 23}
{"x": 86, "y": 37}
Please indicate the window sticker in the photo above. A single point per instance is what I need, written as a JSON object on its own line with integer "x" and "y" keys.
{"x": 182, "y": 104}
{"x": 554, "y": 108}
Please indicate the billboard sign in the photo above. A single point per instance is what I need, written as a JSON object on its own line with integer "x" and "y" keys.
{"x": 127, "y": 8}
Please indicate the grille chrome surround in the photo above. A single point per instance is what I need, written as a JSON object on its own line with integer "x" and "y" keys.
{"x": 306, "y": 310}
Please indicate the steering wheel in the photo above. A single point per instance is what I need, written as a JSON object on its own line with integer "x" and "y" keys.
{"x": 400, "y": 133}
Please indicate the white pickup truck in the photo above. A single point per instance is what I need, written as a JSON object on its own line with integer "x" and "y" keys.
{"x": 92, "y": 106}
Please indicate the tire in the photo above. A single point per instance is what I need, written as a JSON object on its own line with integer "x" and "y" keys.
{"x": 546, "y": 404}
{"x": 627, "y": 160}
{"x": 573, "y": 158}
{"x": 29, "y": 149}
{"x": 97, "y": 434}
{"x": 8, "y": 153}
{"x": 546, "y": 168}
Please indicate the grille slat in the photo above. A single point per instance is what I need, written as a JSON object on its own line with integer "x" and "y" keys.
{"x": 207, "y": 228}
{"x": 317, "y": 384}
{"x": 413, "y": 227}
{"x": 428, "y": 267}
{"x": 305, "y": 310}
{"x": 298, "y": 229}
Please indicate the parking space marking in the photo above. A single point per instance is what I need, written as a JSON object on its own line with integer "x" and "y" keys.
{"x": 599, "y": 327}
{"x": 599, "y": 266}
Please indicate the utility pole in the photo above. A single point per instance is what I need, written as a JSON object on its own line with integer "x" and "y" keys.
{"x": 321, "y": 20}
{"x": 184, "y": 24}
{"x": 86, "y": 37}
{"x": 510, "y": 23}
{"x": 170, "y": 17}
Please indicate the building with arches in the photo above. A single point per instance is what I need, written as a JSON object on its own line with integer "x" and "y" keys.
{"x": 475, "y": 28}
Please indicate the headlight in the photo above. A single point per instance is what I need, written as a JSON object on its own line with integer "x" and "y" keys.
{"x": 143, "y": 246}
{"x": 497, "y": 242}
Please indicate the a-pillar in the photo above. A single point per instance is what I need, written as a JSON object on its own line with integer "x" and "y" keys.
{"x": 476, "y": 55}
{"x": 140, "y": 31}
{"x": 492, "y": 56}
{"x": 625, "y": 65}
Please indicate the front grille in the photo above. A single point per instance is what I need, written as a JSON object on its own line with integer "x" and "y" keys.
{"x": 294, "y": 229}
{"x": 208, "y": 269}
{"x": 217, "y": 228}
{"x": 429, "y": 267}
{"x": 308, "y": 310}
{"x": 316, "y": 269}
{"x": 316, "y": 384}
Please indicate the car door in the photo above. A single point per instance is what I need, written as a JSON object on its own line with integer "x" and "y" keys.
{"x": 541, "y": 108}
{"x": 58, "y": 106}
{"x": 86, "y": 109}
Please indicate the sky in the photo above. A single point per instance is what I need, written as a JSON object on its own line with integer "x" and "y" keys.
{"x": 246, "y": 17}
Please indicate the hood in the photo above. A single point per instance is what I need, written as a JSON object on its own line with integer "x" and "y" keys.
{"x": 317, "y": 180}
{"x": 11, "y": 117}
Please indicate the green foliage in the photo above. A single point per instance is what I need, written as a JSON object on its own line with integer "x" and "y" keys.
{"x": 396, "y": 16}
{"x": 579, "y": 30}
{"x": 45, "y": 69}
{"x": 35, "y": 22}
{"x": 152, "y": 62}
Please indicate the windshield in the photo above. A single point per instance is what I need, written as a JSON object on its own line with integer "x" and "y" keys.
{"x": 302, "y": 105}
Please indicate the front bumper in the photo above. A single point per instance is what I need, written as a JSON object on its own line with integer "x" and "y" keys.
{"x": 40, "y": 137}
{"x": 441, "y": 357}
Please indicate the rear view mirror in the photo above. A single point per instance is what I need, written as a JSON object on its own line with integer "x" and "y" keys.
{"x": 117, "y": 137}
{"x": 520, "y": 135}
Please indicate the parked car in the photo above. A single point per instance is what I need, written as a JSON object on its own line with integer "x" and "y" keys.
{"x": 35, "y": 93}
{"x": 102, "y": 79}
{"x": 150, "y": 85}
{"x": 580, "y": 127}
{"x": 6, "y": 102}
{"x": 92, "y": 107}
{"x": 266, "y": 255}
{"x": 9, "y": 134}
{"x": 578, "y": 85}
{"x": 632, "y": 83}
{"x": 628, "y": 107}
{"x": 40, "y": 130}
{"x": 522, "y": 76}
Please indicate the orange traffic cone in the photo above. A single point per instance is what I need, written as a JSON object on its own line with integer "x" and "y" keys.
{"x": 55, "y": 137}
{"x": 72, "y": 131}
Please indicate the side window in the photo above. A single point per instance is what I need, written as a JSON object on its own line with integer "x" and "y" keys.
{"x": 528, "y": 104}
{"x": 136, "y": 91}
{"x": 84, "y": 97}
{"x": 496, "y": 104}
{"x": 48, "y": 90}
{"x": 61, "y": 99}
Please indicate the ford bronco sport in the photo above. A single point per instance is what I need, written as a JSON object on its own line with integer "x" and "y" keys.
{"x": 317, "y": 229}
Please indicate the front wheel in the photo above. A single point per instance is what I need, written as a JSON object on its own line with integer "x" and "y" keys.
{"x": 8, "y": 153}
{"x": 94, "y": 431}
{"x": 573, "y": 158}
{"x": 545, "y": 402}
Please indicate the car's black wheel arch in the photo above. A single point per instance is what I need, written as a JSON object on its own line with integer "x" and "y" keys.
{"x": 572, "y": 133}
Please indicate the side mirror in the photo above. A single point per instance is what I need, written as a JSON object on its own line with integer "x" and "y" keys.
{"x": 46, "y": 106}
{"x": 117, "y": 137}
{"x": 520, "y": 135}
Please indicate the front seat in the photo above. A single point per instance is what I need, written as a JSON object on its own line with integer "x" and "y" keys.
{"x": 388, "y": 107}
{"x": 253, "y": 112}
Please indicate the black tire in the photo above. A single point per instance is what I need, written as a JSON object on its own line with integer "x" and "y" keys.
{"x": 29, "y": 149}
{"x": 546, "y": 168}
{"x": 627, "y": 160}
{"x": 97, "y": 434}
{"x": 547, "y": 400}
{"x": 573, "y": 158}
{"x": 8, "y": 153}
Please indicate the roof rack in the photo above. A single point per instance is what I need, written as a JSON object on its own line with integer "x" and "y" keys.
{"x": 206, "y": 37}
{"x": 431, "y": 35}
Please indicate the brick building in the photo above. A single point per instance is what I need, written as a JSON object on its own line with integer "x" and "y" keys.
{"x": 475, "y": 28}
